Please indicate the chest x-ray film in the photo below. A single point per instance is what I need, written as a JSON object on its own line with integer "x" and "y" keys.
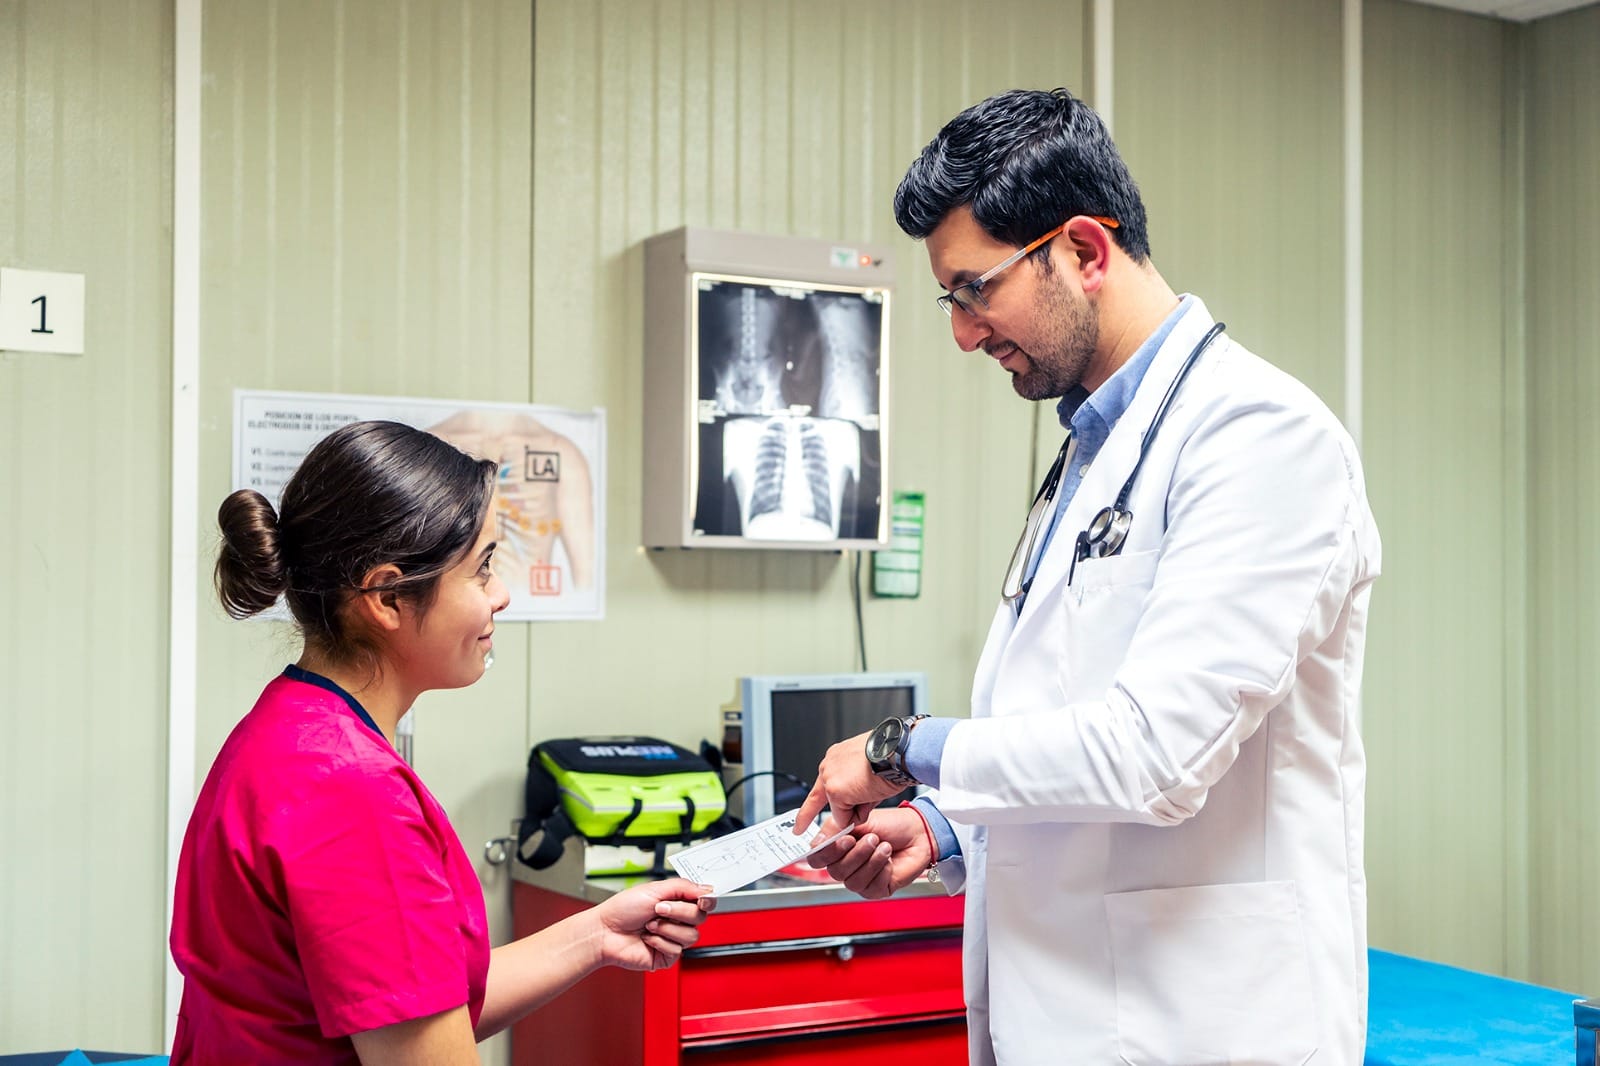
{"x": 789, "y": 410}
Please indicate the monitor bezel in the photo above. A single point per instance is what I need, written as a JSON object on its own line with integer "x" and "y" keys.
{"x": 756, "y": 693}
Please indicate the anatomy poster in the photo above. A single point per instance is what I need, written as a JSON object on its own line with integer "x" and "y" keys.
{"x": 549, "y": 497}
{"x": 789, "y": 408}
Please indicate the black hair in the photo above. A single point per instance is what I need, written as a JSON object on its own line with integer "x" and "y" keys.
{"x": 1024, "y": 162}
{"x": 368, "y": 494}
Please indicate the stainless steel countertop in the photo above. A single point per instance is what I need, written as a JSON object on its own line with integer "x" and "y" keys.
{"x": 566, "y": 878}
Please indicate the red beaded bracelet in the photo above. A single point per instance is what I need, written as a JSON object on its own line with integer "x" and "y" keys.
{"x": 933, "y": 845}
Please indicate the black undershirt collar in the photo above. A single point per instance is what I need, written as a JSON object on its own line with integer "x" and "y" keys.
{"x": 297, "y": 673}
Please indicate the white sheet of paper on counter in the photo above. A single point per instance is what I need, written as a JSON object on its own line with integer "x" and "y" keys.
{"x": 749, "y": 854}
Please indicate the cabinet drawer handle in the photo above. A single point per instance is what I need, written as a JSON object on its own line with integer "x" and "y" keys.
{"x": 845, "y": 945}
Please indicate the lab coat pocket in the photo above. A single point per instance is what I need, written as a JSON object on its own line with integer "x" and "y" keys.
{"x": 1092, "y": 578}
{"x": 1212, "y": 974}
{"x": 1099, "y": 614}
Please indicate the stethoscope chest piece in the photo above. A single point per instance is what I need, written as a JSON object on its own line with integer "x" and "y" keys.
{"x": 1105, "y": 536}
{"x": 1106, "y": 533}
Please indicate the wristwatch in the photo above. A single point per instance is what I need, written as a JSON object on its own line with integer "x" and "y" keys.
{"x": 886, "y": 749}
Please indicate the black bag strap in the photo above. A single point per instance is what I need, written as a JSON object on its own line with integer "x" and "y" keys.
{"x": 543, "y": 817}
{"x": 628, "y": 819}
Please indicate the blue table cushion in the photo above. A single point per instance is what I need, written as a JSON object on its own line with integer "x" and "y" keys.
{"x": 81, "y": 1058}
{"x": 1428, "y": 1014}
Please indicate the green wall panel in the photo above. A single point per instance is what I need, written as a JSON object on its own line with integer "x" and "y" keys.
{"x": 85, "y": 165}
{"x": 1562, "y": 559}
{"x": 448, "y": 199}
{"x": 365, "y": 202}
{"x": 781, "y": 119}
{"x": 1229, "y": 115}
{"x": 1442, "y": 804}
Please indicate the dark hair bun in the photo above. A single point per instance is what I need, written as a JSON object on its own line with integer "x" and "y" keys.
{"x": 250, "y": 572}
{"x": 369, "y": 494}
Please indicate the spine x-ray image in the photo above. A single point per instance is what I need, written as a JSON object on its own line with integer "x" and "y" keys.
{"x": 790, "y": 397}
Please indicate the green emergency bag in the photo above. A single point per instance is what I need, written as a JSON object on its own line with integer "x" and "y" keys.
{"x": 615, "y": 790}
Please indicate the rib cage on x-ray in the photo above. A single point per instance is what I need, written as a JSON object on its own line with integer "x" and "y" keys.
{"x": 790, "y": 474}
{"x": 789, "y": 407}
{"x": 772, "y": 467}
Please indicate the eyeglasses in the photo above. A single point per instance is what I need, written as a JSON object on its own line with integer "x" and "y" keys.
{"x": 1017, "y": 581}
{"x": 969, "y": 297}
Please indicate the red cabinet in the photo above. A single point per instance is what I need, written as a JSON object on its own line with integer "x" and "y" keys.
{"x": 773, "y": 982}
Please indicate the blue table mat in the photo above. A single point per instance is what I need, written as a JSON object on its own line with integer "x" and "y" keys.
{"x": 81, "y": 1058}
{"x": 1429, "y": 1014}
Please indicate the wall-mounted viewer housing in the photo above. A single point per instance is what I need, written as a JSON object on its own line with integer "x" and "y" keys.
{"x": 766, "y": 387}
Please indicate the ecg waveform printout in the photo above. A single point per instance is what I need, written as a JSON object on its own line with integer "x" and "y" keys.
{"x": 735, "y": 860}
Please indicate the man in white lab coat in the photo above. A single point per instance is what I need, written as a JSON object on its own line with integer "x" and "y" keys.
{"x": 1156, "y": 805}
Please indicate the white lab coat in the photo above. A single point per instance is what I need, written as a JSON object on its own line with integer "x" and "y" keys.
{"x": 1159, "y": 793}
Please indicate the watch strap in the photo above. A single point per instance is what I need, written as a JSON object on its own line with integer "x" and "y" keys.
{"x": 898, "y": 759}
{"x": 896, "y": 777}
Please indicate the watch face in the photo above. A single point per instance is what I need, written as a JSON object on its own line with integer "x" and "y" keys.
{"x": 884, "y": 740}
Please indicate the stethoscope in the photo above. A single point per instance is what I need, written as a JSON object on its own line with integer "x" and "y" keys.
{"x": 1107, "y": 531}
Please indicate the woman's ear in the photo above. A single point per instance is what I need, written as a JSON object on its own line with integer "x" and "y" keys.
{"x": 375, "y": 603}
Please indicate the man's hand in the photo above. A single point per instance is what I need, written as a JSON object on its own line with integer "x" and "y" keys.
{"x": 886, "y": 853}
{"x": 648, "y": 926}
{"x": 846, "y": 784}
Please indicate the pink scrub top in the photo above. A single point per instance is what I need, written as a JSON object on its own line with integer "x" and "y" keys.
{"x": 321, "y": 890}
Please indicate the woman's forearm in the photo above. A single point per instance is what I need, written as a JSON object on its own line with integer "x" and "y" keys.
{"x": 527, "y": 973}
{"x": 645, "y": 928}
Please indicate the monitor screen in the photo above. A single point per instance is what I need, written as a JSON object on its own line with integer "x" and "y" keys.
{"x": 790, "y": 722}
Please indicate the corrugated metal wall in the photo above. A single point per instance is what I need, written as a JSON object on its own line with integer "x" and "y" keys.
{"x": 1438, "y": 216}
{"x": 447, "y": 199}
{"x": 1561, "y": 558}
{"x": 366, "y": 202}
{"x": 85, "y": 149}
{"x": 1229, "y": 113}
{"x": 784, "y": 119}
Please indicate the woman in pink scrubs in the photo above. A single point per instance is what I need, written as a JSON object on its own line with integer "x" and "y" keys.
{"x": 326, "y": 911}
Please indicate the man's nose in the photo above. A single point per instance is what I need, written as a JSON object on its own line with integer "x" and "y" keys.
{"x": 969, "y": 330}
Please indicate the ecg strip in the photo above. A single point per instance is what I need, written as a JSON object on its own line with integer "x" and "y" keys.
{"x": 735, "y": 860}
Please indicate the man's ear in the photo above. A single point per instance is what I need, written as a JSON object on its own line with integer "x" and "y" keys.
{"x": 1089, "y": 244}
{"x": 374, "y": 602}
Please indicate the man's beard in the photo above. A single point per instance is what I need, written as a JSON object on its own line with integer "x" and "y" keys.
{"x": 1073, "y": 324}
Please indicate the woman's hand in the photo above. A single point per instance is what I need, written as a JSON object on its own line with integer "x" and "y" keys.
{"x": 648, "y": 926}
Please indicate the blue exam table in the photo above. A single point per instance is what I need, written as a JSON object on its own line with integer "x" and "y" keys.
{"x": 1429, "y": 1014}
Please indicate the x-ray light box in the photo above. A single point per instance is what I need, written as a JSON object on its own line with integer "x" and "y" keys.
{"x": 766, "y": 385}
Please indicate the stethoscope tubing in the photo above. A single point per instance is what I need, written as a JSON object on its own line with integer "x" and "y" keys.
{"x": 1161, "y": 412}
{"x": 1108, "y": 530}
